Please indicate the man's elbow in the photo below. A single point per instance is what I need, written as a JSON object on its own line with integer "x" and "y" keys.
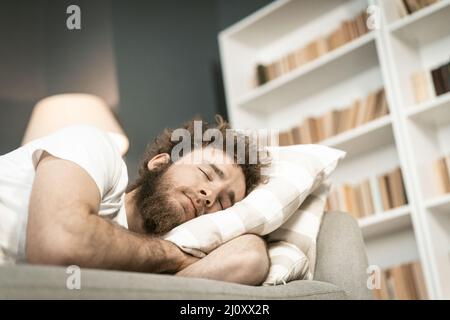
{"x": 257, "y": 265}
{"x": 60, "y": 249}
{"x": 252, "y": 261}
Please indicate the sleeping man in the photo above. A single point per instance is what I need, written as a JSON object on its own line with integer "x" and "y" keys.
{"x": 65, "y": 200}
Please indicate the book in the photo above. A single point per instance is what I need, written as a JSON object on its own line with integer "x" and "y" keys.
{"x": 359, "y": 201}
{"x": 320, "y": 124}
{"x": 361, "y": 113}
{"x": 396, "y": 188}
{"x": 305, "y": 132}
{"x": 370, "y": 106}
{"x": 333, "y": 200}
{"x": 296, "y": 135}
{"x": 438, "y": 82}
{"x": 419, "y": 281}
{"x": 445, "y": 76}
{"x": 285, "y": 138}
{"x": 382, "y": 293}
{"x": 391, "y": 289}
{"x": 283, "y": 65}
{"x": 342, "y": 121}
{"x": 350, "y": 200}
{"x": 262, "y": 74}
{"x": 277, "y": 69}
{"x": 366, "y": 195}
{"x": 447, "y": 163}
{"x": 382, "y": 108}
{"x": 347, "y": 31}
{"x": 328, "y": 124}
{"x": 353, "y": 114}
{"x": 291, "y": 61}
{"x": 384, "y": 192}
{"x": 322, "y": 45}
{"x": 335, "y": 121}
{"x": 312, "y": 51}
{"x": 361, "y": 23}
{"x": 420, "y": 86}
{"x": 442, "y": 175}
{"x": 412, "y": 5}
{"x": 314, "y": 129}
{"x": 403, "y": 282}
{"x": 271, "y": 72}
{"x": 401, "y": 8}
{"x": 300, "y": 57}
{"x": 282, "y": 139}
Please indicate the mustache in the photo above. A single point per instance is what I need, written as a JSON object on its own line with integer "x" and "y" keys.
{"x": 199, "y": 204}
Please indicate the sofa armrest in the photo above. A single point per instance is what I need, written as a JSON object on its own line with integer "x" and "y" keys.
{"x": 341, "y": 255}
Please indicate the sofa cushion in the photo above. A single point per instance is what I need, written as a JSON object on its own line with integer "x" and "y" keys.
{"x": 42, "y": 282}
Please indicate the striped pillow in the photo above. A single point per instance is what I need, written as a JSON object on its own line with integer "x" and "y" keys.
{"x": 292, "y": 247}
{"x": 295, "y": 172}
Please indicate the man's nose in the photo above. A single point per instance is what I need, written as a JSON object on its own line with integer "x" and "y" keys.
{"x": 208, "y": 196}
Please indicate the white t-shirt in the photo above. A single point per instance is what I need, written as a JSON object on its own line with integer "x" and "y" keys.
{"x": 90, "y": 148}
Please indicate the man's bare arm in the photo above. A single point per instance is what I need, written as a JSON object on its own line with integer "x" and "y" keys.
{"x": 64, "y": 227}
{"x": 242, "y": 260}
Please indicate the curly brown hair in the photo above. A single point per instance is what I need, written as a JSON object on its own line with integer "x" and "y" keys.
{"x": 164, "y": 144}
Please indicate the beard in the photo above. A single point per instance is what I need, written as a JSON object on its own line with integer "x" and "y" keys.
{"x": 158, "y": 212}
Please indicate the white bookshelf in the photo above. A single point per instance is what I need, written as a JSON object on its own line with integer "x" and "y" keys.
{"x": 385, "y": 222}
{"x": 439, "y": 203}
{"x": 411, "y": 136}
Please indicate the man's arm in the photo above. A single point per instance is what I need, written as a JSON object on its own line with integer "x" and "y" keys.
{"x": 64, "y": 227}
{"x": 242, "y": 260}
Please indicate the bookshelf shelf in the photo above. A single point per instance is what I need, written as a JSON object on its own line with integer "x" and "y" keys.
{"x": 362, "y": 139}
{"x": 385, "y": 222}
{"x": 435, "y": 111}
{"x": 425, "y": 25}
{"x": 440, "y": 203}
{"x": 274, "y": 21}
{"x": 290, "y": 87}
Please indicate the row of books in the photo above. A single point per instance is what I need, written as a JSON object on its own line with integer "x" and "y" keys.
{"x": 355, "y": 199}
{"x": 405, "y": 7}
{"x": 442, "y": 173}
{"x": 358, "y": 199}
{"x": 440, "y": 78}
{"x": 346, "y": 32}
{"x": 316, "y": 129}
{"x": 403, "y": 282}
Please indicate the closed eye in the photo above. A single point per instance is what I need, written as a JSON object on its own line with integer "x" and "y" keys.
{"x": 206, "y": 175}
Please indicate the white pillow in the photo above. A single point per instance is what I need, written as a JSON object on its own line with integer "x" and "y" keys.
{"x": 294, "y": 173}
{"x": 292, "y": 247}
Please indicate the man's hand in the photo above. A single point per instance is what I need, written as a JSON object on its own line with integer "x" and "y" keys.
{"x": 64, "y": 226}
{"x": 183, "y": 260}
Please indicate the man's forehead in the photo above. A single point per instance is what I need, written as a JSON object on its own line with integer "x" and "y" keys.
{"x": 207, "y": 155}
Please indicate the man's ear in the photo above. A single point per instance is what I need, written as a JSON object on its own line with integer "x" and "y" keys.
{"x": 158, "y": 160}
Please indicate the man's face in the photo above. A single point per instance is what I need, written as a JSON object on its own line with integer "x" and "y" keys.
{"x": 190, "y": 188}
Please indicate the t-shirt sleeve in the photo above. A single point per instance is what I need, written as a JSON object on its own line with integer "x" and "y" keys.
{"x": 90, "y": 148}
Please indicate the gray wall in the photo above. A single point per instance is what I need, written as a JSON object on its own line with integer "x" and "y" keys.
{"x": 39, "y": 56}
{"x": 156, "y": 61}
{"x": 22, "y": 70}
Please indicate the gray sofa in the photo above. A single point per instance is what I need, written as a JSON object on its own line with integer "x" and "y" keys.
{"x": 340, "y": 274}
